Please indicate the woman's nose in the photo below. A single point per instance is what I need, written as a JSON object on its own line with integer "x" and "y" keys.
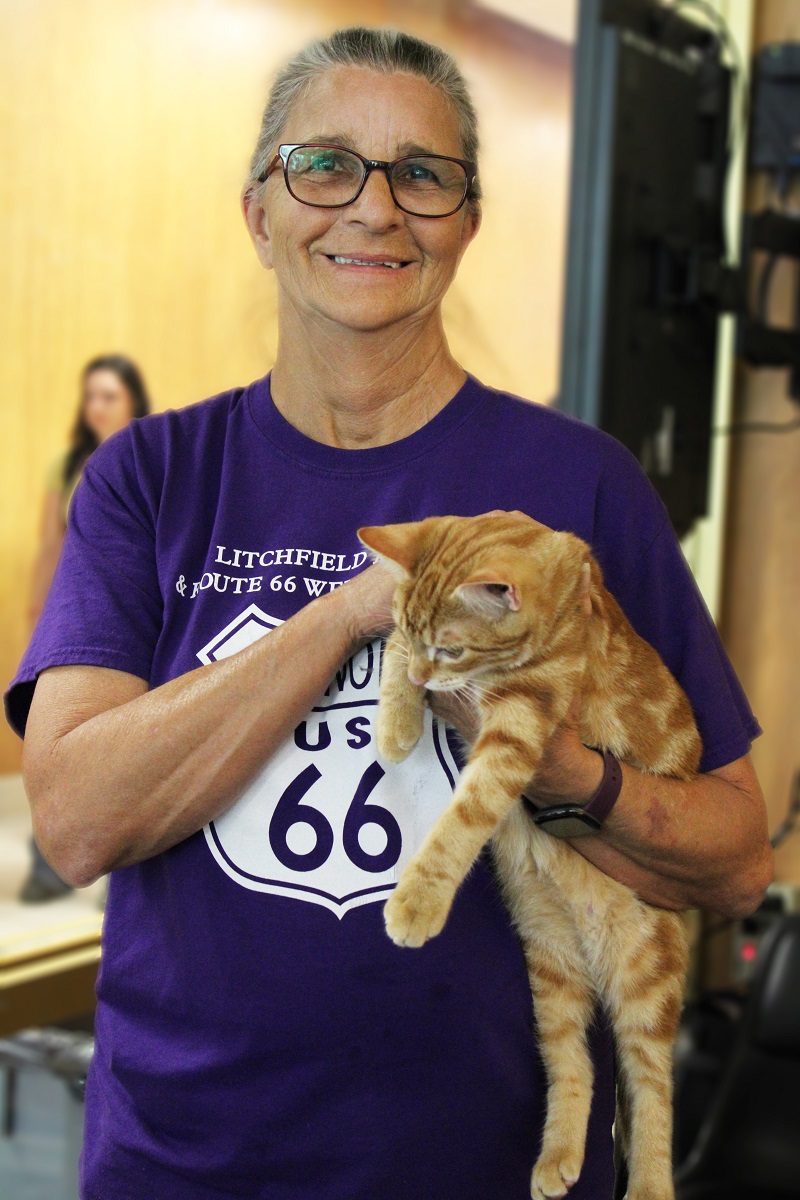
{"x": 375, "y": 206}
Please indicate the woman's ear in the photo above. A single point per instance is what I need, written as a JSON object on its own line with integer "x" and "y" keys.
{"x": 255, "y": 218}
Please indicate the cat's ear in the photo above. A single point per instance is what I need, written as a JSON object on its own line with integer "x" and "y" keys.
{"x": 489, "y": 596}
{"x": 396, "y": 546}
{"x": 586, "y": 588}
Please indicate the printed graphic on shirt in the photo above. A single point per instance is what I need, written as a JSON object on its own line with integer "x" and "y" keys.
{"x": 327, "y": 820}
{"x": 245, "y": 629}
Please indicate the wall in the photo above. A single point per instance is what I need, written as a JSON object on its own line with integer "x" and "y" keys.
{"x": 761, "y": 601}
{"x": 127, "y": 126}
{"x": 557, "y": 18}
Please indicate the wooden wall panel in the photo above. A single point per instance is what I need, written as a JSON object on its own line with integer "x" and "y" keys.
{"x": 126, "y": 127}
{"x": 761, "y": 603}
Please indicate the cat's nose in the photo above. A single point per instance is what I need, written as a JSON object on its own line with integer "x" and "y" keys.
{"x": 416, "y": 680}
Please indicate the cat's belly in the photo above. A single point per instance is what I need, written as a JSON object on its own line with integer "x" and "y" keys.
{"x": 545, "y": 874}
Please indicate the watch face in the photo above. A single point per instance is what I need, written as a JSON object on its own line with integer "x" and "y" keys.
{"x": 567, "y": 821}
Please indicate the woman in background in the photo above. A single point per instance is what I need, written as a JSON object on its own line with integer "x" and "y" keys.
{"x": 113, "y": 392}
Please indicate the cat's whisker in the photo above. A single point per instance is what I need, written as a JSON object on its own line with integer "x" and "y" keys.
{"x": 461, "y": 691}
{"x": 483, "y": 692}
{"x": 470, "y": 693}
{"x": 399, "y": 646}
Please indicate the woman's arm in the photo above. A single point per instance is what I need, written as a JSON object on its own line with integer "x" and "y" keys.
{"x": 116, "y": 773}
{"x": 51, "y": 540}
{"x": 703, "y": 843}
{"x": 697, "y": 844}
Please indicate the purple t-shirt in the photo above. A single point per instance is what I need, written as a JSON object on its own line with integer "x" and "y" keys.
{"x": 258, "y": 1035}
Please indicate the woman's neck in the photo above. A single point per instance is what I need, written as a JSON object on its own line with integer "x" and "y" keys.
{"x": 354, "y": 389}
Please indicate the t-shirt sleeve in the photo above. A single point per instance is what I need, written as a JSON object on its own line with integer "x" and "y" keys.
{"x": 646, "y": 570}
{"x": 104, "y": 608}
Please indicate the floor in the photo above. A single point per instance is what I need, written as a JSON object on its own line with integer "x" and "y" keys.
{"x": 15, "y": 832}
{"x": 40, "y": 1119}
{"x": 39, "y": 1152}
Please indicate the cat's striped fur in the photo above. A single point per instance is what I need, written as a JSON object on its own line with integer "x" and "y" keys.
{"x": 496, "y": 606}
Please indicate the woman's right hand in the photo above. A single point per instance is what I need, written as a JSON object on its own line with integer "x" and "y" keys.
{"x": 368, "y": 600}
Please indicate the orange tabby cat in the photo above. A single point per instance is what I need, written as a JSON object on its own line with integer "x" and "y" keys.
{"x": 496, "y": 607}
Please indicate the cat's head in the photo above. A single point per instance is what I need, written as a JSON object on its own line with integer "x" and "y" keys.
{"x": 478, "y": 596}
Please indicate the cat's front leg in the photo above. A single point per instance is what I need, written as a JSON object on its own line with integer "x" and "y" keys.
{"x": 500, "y": 767}
{"x": 402, "y": 703}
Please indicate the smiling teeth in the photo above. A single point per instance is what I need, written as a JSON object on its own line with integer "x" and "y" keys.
{"x": 362, "y": 262}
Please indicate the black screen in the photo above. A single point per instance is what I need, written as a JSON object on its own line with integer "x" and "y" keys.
{"x": 649, "y": 168}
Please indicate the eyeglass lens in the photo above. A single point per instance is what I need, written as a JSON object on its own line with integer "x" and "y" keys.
{"x": 327, "y": 177}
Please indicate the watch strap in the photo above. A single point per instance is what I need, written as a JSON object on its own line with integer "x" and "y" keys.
{"x": 593, "y": 813}
{"x": 603, "y": 800}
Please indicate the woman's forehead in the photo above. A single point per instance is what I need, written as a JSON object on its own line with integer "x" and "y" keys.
{"x": 102, "y": 377}
{"x": 376, "y": 113}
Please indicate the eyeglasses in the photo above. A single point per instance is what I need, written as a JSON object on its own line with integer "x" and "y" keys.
{"x": 422, "y": 185}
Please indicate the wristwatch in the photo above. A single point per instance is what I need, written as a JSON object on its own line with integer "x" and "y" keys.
{"x": 580, "y": 820}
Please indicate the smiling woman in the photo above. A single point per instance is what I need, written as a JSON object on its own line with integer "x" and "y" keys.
{"x": 210, "y": 738}
{"x": 358, "y": 262}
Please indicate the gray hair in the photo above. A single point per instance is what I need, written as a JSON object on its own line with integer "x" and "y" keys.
{"x": 383, "y": 50}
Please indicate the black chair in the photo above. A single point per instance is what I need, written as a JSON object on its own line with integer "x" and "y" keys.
{"x": 749, "y": 1145}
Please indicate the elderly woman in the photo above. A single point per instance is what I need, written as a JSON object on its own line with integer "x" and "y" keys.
{"x": 201, "y": 691}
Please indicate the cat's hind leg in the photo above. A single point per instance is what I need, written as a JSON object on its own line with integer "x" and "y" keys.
{"x": 563, "y": 1002}
{"x": 645, "y": 1000}
{"x": 402, "y": 703}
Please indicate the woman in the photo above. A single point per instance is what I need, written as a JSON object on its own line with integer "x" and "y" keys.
{"x": 113, "y": 392}
{"x": 257, "y": 1033}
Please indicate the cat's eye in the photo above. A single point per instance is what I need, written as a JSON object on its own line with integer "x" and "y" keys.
{"x": 451, "y": 651}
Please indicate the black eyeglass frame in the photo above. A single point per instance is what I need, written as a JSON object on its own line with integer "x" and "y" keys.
{"x": 370, "y": 165}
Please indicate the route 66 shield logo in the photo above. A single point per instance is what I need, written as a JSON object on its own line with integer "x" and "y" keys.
{"x": 327, "y": 820}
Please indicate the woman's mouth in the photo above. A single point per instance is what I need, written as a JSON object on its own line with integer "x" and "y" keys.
{"x": 341, "y": 260}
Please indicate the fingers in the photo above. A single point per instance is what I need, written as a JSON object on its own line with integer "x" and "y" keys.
{"x": 515, "y": 512}
{"x": 369, "y": 599}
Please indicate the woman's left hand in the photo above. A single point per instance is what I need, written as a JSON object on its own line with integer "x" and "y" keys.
{"x": 568, "y": 772}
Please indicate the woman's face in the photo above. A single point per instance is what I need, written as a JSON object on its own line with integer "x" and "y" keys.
{"x": 107, "y": 403}
{"x": 382, "y": 117}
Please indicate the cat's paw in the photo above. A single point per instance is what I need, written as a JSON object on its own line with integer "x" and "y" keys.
{"x": 554, "y": 1174}
{"x": 413, "y": 915}
{"x": 663, "y": 1190}
{"x": 398, "y": 736}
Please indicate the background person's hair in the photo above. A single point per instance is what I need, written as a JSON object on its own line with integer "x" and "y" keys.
{"x": 384, "y": 50}
{"x": 83, "y": 441}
